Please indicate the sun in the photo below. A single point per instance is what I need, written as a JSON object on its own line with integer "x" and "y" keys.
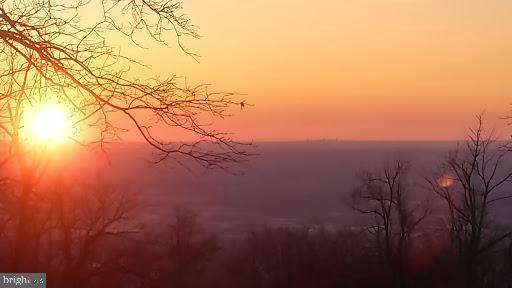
{"x": 48, "y": 123}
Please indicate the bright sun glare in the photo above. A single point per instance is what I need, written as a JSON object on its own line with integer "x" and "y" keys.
{"x": 49, "y": 123}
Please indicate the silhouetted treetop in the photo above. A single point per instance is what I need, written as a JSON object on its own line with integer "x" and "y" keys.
{"x": 61, "y": 48}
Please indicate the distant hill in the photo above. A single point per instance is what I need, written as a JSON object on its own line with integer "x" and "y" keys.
{"x": 288, "y": 183}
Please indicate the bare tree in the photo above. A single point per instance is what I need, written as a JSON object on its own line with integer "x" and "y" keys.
{"x": 90, "y": 228}
{"x": 301, "y": 257}
{"x": 46, "y": 49}
{"x": 477, "y": 177}
{"x": 75, "y": 230}
{"x": 188, "y": 249}
{"x": 385, "y": 198}
{"x": 60, "y": 51}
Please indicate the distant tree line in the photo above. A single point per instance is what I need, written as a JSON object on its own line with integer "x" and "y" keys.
{"x": 94, "y": 234}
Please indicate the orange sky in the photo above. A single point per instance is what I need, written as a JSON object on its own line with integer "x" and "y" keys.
{"x": 352, "y": 69}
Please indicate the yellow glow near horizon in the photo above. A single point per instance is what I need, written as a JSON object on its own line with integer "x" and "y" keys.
{"x": 48, "y": 123}
{"x": 351, "y": 69}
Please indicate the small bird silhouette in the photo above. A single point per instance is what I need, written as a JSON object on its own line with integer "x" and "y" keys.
{"x": 242, "y": 105}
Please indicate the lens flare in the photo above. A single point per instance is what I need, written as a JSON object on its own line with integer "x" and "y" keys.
{"x": 445, "y": 181}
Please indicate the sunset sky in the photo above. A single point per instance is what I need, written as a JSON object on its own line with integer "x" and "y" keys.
{"x": 352, "y": 69}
